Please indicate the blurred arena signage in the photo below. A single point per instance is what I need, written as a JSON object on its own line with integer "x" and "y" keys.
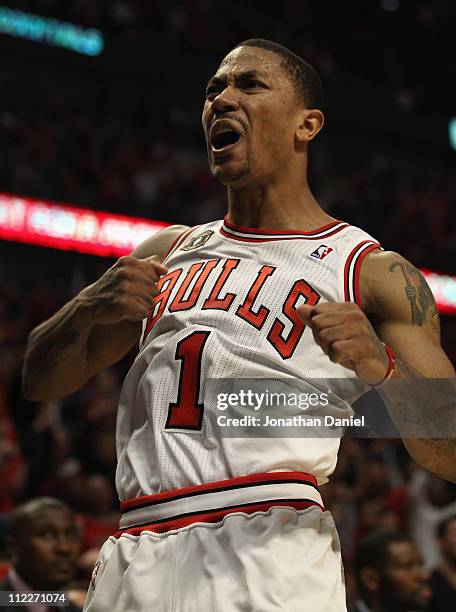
{"x": 444, "y": 289}
{"x": 99, "y": 233}
{"x": 72, "y": 229}
{"x": 51, "y": 31}
{"x": 452, "y": 132}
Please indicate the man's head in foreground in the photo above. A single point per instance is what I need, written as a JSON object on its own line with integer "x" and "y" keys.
{"x": 446, "y": 532}
{"x": 263, "y": 106}
{"x": 44, "y": 543}
{"x": 390, "y": 573}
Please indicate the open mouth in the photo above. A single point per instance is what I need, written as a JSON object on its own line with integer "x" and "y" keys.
{"x": 224, "y": 139}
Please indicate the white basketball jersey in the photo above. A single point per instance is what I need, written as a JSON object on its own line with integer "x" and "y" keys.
{"x": 226, "y": 309}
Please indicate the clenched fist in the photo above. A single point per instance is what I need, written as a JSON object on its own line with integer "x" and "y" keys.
{"x": 125, "y": 291}
{"x": 346, "y": 335}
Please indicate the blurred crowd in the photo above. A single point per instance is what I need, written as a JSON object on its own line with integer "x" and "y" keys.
{"x": 124, "y": 150}
{"x": 399, "y": 38}
{"x": 62, "y": 450}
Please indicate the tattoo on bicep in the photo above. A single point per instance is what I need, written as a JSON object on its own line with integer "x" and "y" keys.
{"x": 422, "y": 302}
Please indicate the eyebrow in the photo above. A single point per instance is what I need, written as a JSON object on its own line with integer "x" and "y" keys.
{"x": 239, "y": 77}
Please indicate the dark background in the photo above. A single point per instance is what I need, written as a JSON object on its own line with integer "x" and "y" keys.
{"x": 122, "y": 132}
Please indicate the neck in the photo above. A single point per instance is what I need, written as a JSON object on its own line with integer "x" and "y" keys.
{"x": 372, "y": 605}
{"x": 448, "y": 569}
{"x": 21, "y": 580}
{"x": 276, "y": 206}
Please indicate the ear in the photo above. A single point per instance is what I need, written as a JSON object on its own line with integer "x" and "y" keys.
{"x": 310, "y": 122}
{"x": 369, "y": 579}
{"x": 12, "y": 548}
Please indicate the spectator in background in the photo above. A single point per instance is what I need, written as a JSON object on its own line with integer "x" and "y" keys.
{"x": 390, "y": 574}
{"x": 443, "y": 579}
{"x": 431, "y": 501}
{"x": 43, "y": 543}
{"x": 99, "y": 521}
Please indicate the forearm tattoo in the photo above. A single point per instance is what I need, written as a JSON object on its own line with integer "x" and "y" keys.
{"x": 430, "y": 404}
{"x": 423, "y": 409}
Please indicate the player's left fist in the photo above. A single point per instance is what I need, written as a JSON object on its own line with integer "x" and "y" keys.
{"x": 346, "y": 335}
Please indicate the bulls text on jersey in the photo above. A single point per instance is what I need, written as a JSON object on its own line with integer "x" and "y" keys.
{"x": 301, "y": 292}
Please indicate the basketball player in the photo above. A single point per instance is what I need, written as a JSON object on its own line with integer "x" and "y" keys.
{"x": 279, "y": 289}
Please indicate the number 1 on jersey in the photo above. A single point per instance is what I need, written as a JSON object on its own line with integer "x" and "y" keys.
{"x": 187, "y": 413}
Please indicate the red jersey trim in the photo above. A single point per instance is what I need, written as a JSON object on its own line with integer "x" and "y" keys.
{"x": 352, "y": 270}
{"x": 248, "y": 234}
{"x": 272, "y": 232}
{"x": 217, "y": 515}
{"x": 179, "y": 240}
{"x": 173, "y": 244}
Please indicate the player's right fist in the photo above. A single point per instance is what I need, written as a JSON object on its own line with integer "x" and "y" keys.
{"x": 125, "y": 291}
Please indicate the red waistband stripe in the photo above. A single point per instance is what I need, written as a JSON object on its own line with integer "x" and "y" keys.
{"x": 220, "y": 485}
{"x": 213, "y": 501}
{"x": 216, "y": 516}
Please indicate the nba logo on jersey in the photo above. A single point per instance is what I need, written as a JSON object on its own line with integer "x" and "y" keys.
{"x": 321, "y": 251}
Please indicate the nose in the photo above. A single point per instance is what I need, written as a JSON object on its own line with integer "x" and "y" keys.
{"x": 424, "y": 574}
{"x": 63, "y": 545}
{"x": 226, "y": 101}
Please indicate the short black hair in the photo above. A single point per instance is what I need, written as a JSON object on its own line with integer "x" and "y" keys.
{"x": 305, "y": 78}
{"x": 442, "y": 526}
{"x": 373, "y": 550}
{"x": 20, "y": 515}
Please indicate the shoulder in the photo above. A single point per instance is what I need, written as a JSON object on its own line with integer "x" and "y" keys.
{"x": 5, "y": 585}
{"x": 160, "y": 243}
{"x": 392, "y": 287}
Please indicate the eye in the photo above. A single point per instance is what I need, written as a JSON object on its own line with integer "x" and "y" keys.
{"x": 212, "y": 91}
{"x": 252, "y": 84}
{"x": 73, "y": 534}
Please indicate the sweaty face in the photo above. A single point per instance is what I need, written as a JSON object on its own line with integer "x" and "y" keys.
{"x": 249, "y": 118}
{"x": 48, "y": 547}
{"x": 405, "y": 581}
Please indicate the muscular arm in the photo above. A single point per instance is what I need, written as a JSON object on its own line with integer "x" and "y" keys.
{"x": 63, "y": 353}
{"x": 399, "y": 309}
{"x": 405, "y": 316}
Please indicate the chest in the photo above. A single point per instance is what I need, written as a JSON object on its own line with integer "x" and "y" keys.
{"x": 260, "y": 290}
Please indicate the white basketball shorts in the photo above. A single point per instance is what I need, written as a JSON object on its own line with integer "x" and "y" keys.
{"x": 258, "y": 543}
